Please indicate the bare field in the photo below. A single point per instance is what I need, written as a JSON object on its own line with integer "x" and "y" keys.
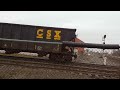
{"x": 18, "y": 72}
{"x": 21, "y": 72}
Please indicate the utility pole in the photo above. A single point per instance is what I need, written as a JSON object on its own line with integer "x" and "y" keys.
{"x": 104, "y": 58}
{"x": 103, "y": 39}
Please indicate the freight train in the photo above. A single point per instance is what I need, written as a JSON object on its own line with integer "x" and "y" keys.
{"x": 15, "y": 38}
{"x": 58, "y": 43}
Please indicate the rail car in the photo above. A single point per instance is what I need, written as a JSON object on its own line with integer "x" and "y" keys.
{"x": 15, "y": 38}
{"x": 59, "y": 43}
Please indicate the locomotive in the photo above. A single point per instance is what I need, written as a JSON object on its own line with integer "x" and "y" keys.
{"x": 59, "y": 43}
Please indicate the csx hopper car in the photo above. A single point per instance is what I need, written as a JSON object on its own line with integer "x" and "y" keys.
{"x": 15, "y": 38}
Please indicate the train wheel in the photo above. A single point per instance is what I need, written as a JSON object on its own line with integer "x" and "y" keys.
{"x": 56, "y": 57}
{"x": 11, "y": 51}
{"x": 42, "y": 54}
{"x": 8, "y": 52}
{"x": 51, "y": 56}
{"x": 60, "y": 58}
{"x": 67, "y": 58}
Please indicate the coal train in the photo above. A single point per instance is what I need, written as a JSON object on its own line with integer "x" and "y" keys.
{"x": 15, "y": 38}
{"x": 59, "y": 43}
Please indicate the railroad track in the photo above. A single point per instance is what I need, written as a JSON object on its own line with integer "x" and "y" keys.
{"x": 98, "y": 71}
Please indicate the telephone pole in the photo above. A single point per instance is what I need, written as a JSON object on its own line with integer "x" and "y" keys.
{"x": 104, "y": 58}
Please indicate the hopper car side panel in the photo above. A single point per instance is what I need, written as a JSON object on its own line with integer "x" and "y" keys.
{"x": 36, "y": 33}
{"x": 31, "y": 46}
{"x": 28, "y": 33}
{"x": 17, "y": 34}
{"x": 6, "y": 31}
{"x": 16, "y": 30}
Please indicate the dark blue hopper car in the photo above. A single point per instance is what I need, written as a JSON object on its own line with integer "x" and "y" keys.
{"x": 15, "y": 38}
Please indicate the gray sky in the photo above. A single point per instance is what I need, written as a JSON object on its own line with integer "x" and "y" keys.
{"x": 90, "y": 25}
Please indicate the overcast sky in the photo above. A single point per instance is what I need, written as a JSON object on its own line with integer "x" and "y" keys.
{"x": 91, "y": 25}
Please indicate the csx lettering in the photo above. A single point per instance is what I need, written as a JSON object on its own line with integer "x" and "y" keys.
{"x": 48, "y": 34}
{"x": 40, "y": 33}
{"x": 57, "y": 36}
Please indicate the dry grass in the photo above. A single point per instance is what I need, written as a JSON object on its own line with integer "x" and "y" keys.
{"x": 18, "y": 72}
